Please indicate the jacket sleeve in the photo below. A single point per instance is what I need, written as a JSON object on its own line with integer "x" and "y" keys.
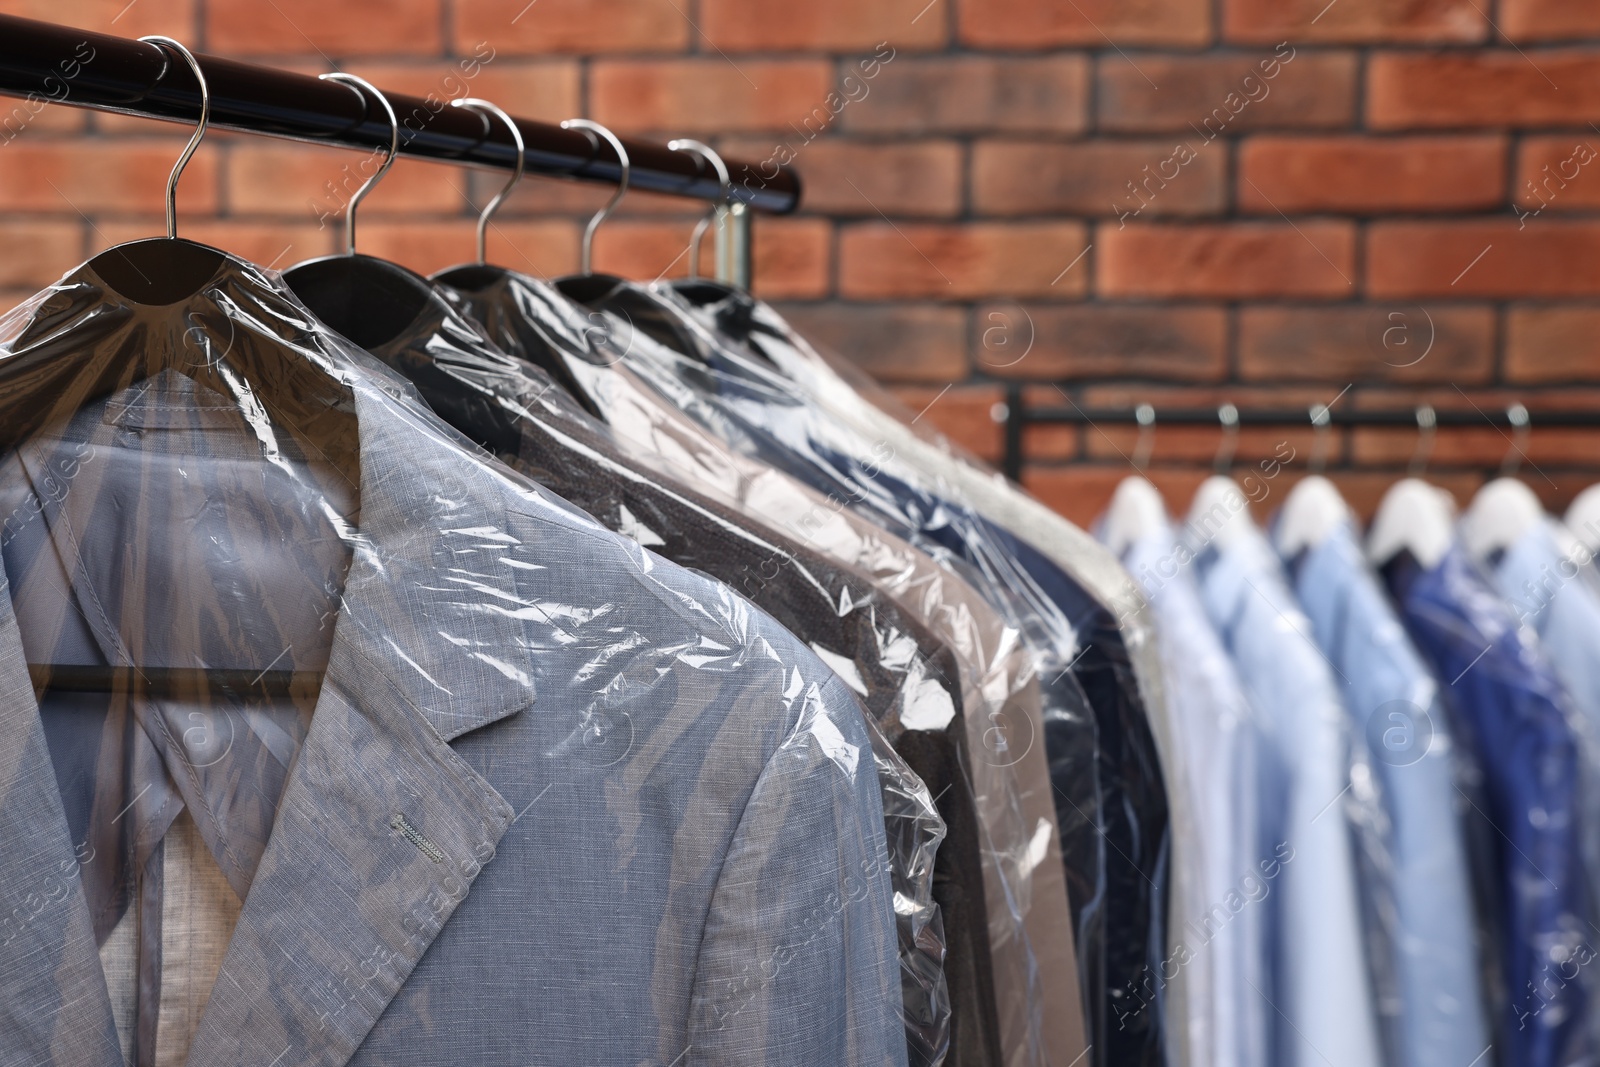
{"x": 798, "y": 964}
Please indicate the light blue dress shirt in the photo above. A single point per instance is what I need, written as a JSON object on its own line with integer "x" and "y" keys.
{"x": 1322, "y": 995}
{"x": 1560, "y": 598}
{"x": 1433, "y": 1010}
{"x": 1222, "y": 947}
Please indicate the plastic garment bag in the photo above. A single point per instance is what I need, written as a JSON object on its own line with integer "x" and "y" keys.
{"x": 1118, "y": 668}
{"x": 899, "y": 669}
{"x": 997, "y": 682}
{"x": 845, "y": 392}
{"x": 764, "y": 415}
{"x": 1116, "y": 665}
{"x": 1422, "y": 933}
{"x": 776, "y": 426}
{"x": 394, "y": 757}
{"x": 1513, "y": 715}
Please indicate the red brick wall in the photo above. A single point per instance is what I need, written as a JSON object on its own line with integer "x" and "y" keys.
{"x": 1183, "y": 201}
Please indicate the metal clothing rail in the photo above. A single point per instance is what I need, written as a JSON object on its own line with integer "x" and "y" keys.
{"x": 1019, "y": 415}
{"x": 40, "y": 61}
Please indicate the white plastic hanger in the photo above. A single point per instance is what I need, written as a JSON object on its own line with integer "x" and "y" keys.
{"x": 1136, "y": 509}
{"x": 1416, "y": 516}
{"x": 1313, "y": 510}
{"x": 1583, "y": 518}
{"x": 1220, "y": 514}
{"x": 1500, "y": 514}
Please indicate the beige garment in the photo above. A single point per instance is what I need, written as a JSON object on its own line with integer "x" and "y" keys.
{"x": 1036, "y": 977}
{"x": 198, "y": 913}
{"x": 119, "y": 958}
{"x": 1000, "y": 689}
{"x": 926, "y": 457}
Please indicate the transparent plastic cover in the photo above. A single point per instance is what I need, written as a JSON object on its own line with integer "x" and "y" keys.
{"x": 1051, "y": 571}
{"x": 328, "y": 739}
{"x": 903, "y": 674}
{"x": 1021, "y": 875}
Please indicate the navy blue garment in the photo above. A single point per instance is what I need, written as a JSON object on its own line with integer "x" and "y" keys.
{"x": 1110, "y": 798}
{"x": 1131, "y": 831}
{"x": 1511, "y": 712}
{"x": 1132, "y": 800}
{"x": 1421, "y": 930}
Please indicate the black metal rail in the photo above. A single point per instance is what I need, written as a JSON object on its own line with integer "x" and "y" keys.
{"x": 1019, "y": 415}
{"x": 40, "y": 61}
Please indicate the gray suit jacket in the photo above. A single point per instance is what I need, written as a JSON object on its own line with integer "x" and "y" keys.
{"x": 560, "y": 802}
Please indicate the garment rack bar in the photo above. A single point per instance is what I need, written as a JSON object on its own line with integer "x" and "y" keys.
{"x": 1019, "y": 415}
{"x": 45, "y": 63}
{"x": 171, "y": 682}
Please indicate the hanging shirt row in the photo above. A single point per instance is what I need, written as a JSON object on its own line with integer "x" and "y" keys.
{"x": 1385, "y": 775}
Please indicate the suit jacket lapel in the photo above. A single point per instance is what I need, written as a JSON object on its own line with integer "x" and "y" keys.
{"x": 379, "y": 835}
{"x": 54, "y": 1007}
{"x": 382, "y": 827}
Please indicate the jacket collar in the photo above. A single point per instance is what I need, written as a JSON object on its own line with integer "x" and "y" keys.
{"x": 382, "y": 827}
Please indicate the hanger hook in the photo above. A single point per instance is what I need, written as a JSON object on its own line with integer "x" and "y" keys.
{"x": 1145, "y": 416}
{"x": 1517, "y": 415}
{"x": 199, "y": 130}
{"x": 1427, "y": 428}
{"x": 1228, "y": 415}
{"x": 486, "y": 107}
{"x": 1322, "y": 420}
{"x": 704, "y": 151}
{"x": 616, "y": 197}
{"x": 394, "y": 150}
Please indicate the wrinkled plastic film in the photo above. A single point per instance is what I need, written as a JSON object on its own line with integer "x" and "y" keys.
{"x": 1000, "y": 684}
{"x": 760, "y": 419}
{"x": 997, "y": 681}
{"x": 1117, "y": 666}
{"x": 898, "y": 669}
{"x": 438, "y": 747}
{"x": 851, "y": 395}
{"x": 914, "y": 831}
{"x": 847, "y": 393}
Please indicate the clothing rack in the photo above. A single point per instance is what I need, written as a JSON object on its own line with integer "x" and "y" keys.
{"x": 46, "y": 62}
{"x": 1019, "y": 415}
